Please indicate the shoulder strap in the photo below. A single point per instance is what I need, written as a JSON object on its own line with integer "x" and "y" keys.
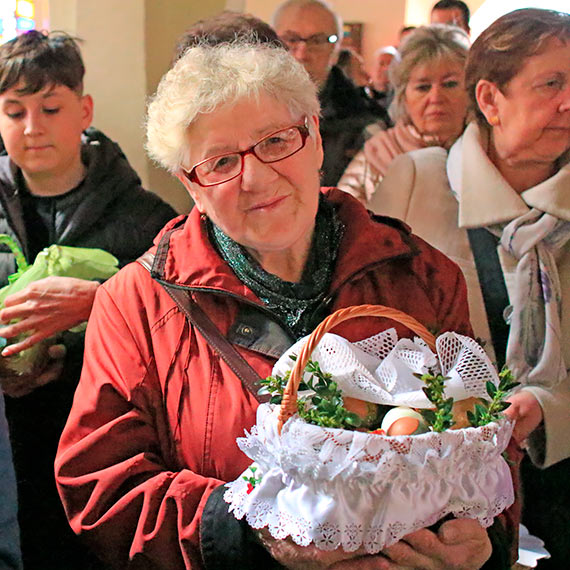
{"x": 484, "y": 247}
{"x": 197, "y": 317}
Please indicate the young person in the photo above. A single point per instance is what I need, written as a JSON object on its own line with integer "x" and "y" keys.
{"x": 61, "y": 182}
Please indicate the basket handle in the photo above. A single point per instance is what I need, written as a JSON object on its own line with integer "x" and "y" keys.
{"x": 289, "y": 400}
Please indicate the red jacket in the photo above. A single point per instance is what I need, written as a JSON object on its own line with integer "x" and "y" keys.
{"x": 156, "y": 415}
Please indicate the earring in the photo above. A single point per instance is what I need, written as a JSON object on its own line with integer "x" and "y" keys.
{"x": 494, "y": 121}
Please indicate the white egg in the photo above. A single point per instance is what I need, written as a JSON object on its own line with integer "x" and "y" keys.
{"x": 402, "y": 412}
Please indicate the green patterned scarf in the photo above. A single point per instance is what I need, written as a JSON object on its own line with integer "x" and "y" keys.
{"x": 297, "y": 304}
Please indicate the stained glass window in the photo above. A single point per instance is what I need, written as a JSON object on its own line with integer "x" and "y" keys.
{"x": 16, "y": 17}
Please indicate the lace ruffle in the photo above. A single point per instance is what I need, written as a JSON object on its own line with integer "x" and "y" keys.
{"x": 347, "y": 488}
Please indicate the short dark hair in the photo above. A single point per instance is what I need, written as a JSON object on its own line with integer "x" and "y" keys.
{"x": 448, "y": 4}
{"x": 405, "y": 29}
{"x": 226, "y": 27}
{"x": 501, "y": 51}
{"x": 35, "y": 60}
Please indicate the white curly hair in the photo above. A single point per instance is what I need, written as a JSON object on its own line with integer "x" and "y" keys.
{"x": 206, "y": 77}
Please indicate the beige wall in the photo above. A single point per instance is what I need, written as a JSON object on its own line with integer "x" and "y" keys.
{"x": 114, "y": 62}
{"x": 115, "y": 71}
{"x": 127, "y": 47}
{"x": 164, "y": 23}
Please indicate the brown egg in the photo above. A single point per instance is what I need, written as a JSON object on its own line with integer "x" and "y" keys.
{"x": 460, "y": 409}
{"x": 367, "y": 411}
{"x": 404, "y": 426}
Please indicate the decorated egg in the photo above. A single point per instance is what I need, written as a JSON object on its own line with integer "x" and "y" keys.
{"x": 403, "y": 421}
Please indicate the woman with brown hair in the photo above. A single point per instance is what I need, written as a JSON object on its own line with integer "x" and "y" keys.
{"x": 498, "y": 204}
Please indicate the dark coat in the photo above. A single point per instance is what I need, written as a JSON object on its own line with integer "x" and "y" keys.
{"x": 345, "y": 112}
{"x": 111, "y": 211}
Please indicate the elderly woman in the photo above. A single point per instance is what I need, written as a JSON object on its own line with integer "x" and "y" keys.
{"x": 509, "y": 174}
{"x": 260, "y": 260}
{"x": 428, "y": 108}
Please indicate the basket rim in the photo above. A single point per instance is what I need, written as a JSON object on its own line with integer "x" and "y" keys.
{"x": 289, "y": 399}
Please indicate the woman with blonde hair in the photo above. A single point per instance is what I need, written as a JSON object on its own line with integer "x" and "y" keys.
{"x": 428, "y": 108}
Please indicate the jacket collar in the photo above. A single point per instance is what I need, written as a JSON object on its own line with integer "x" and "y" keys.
{"x": 485, "y": 198}
{"x": 191, "y": 260}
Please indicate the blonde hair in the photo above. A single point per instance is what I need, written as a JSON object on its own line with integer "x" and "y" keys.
{"x": 206, "y": 77}
{"x": 425, "y": 44}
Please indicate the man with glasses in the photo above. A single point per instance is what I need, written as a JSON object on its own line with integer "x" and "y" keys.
{"x": 313, "y": 33}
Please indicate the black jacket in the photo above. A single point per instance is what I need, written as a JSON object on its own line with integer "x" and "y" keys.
{"x": 345, "y": 112}
{"x": 109, "y": 210}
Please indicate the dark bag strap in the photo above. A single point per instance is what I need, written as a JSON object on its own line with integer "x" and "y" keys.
{"x": 197, "y": 317}
{"x": 484, "y": 247}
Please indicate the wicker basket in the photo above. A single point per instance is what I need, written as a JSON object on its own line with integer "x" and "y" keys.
{"x": 349, "y": 488}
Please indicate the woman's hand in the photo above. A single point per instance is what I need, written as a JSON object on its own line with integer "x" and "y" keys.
{"x": 527, "y": 413}
{"x": 296, "y": 557}
{"x": 44, "y": 308}
{"x": 18, "y": 386}
{"x": 460, "y": 544}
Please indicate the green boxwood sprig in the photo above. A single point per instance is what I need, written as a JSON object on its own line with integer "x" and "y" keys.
{"x": 323, "y": 408}
{"x": 441, "y": 418}
{"x": 486, "y": 412}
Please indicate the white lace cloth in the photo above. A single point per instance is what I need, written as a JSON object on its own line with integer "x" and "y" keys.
{"x": 347, "y": 488}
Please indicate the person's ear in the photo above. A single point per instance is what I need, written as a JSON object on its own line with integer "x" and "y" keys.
{"x": 191, "y": 189}
{"x": 86, "y": 111}
{"x": 316, "y": 134}
{"x": 488, "y": 95}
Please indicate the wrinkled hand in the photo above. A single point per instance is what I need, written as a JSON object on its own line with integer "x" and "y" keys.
{"x": 460, "y": 544}
{"x": 44, "y": 308}
{"x": 18, "y": 386}
{"x": 295, "y": 557}
{"x": 527, "y": 413}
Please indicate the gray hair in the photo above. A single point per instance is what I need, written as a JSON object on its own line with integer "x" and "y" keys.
{"x": 206, "y": 77}
{"x": 320, "y": 3}
{"x": 424, "y": 44}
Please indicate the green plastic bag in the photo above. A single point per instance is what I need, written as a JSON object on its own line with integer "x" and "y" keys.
{"x": 58, "y": 260}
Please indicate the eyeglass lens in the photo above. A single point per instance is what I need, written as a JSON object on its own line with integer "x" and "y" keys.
{"x": 315, "y": 41}
{"x": 273, "y": 148}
